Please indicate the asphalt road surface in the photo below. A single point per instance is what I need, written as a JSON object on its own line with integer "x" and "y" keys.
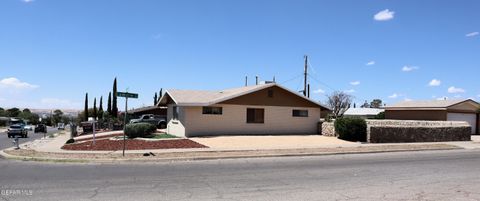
{"x": 6, "y": 142}
{"x": 432, "y": 175}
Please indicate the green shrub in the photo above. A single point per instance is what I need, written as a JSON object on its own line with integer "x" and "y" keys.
{"x": 351, "y": 129}
{"x": 380, "y": 115}
{"x": 139, "y": 130}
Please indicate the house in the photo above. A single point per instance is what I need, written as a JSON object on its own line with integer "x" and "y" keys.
{"x": 364, "y": 113}
{"x": 437, "y": 110}
{"x": 251, "y": 110}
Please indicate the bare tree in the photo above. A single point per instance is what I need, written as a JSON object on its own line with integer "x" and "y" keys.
{"x": 339, "y": 102}
{"x": 376, "y": 103}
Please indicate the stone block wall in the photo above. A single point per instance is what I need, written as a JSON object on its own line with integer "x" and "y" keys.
{"x": 328, "y": 129}
{"x": 396, "y": 131}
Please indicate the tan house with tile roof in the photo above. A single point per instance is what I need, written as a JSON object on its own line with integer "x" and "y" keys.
{"x": 266, "y": 109}
{"x": 437, "y": 110}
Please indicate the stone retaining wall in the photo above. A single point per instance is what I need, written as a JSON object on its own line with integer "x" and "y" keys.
{"x": 328, "y": 129}
{"x": 395, "y": 131}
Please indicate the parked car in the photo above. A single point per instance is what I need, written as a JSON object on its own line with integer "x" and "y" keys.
{"x": 87, "y": 126}
{"x": 40, "y": 128}
{"x": 17, "y": 129}
{"x": 157, "y": 120}
{"x": 61, "y": 126}
{"x": 28, "y": 127}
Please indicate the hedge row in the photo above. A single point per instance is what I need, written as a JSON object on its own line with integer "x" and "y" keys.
{"x": 139, "y": 130}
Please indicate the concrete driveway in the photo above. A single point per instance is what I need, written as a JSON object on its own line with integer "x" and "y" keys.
{"x": 271, "y": 142}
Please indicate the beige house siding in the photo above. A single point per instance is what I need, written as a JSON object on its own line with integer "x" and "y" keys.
{"x": 175, "y": 126}
{"x": 233, "y": 121}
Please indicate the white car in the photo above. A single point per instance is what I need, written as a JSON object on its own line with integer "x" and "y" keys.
{"x": 28, "y": 127}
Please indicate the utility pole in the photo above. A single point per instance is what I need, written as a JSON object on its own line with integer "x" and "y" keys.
{"x": 305, "y": 74}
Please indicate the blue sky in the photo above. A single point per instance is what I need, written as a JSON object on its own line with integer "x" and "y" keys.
{"x": 53, "y": 51}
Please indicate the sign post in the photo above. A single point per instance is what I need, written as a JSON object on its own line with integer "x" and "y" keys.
{"x": 126, "y": 95}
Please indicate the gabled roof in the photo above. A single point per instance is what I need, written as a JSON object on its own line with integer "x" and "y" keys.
{"x": 206, "y": 98}
{"x": 441, "y": 104}
{"x": 363, "y": 111}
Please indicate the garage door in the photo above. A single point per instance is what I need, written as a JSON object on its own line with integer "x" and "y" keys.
{"x": 470, "y": 118}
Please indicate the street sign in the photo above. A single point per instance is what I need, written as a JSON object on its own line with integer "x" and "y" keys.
{"x": 127, "y": 95}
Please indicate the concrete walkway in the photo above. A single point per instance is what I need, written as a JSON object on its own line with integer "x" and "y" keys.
{"x": 271, "y": 142}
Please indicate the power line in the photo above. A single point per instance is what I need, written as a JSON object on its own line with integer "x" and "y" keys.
{"x": 296, "y": 77}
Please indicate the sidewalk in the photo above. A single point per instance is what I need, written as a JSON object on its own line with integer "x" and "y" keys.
{"x": 223, "y": 147}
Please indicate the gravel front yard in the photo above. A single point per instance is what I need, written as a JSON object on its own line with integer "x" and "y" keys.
{"x": 133, "y": 144}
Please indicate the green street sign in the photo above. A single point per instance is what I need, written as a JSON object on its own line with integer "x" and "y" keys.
{"x": 127, "y": 95}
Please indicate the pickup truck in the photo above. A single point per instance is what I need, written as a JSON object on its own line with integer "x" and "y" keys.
{"x": 17, "y": 129}
{"x": 158, "y": 121}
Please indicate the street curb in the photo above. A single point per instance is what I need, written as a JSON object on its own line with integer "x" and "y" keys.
{"x": 178, "y": 159}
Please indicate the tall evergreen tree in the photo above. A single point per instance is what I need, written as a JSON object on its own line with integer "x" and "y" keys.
{"x": 109, "y": 104}
{"x": 155, "y": 99}
{"x": 114, "y": 101}
{"x": 94, "y": 115}
{"x": 85, "y": 111}
{"x": 100, "y": 108}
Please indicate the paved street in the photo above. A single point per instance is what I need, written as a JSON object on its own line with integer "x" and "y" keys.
{"x": 6, "y": 142}
{"x": 432, "y": 175}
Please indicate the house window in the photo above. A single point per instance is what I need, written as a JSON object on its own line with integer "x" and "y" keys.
{"x": 300, "y": 113}
{"x": 175, "y": 112}
{"x": 255, "y": 115}
{"x": 212, "y": 110}
{"x": 270, "y": 93}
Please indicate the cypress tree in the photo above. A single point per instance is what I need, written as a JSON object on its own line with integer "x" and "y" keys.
{"x": 155, "y": 99}
{"x": 85, "y": 111}
{"x": 100, "y": 108}
{"x": 114, "y": 101}
{"x": 94, "y": 115}
{"x": 109, "y": 104}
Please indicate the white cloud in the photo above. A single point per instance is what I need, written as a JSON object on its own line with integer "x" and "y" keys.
{"x": 454, "y": 90}
{"x": 384, "y": 15}
{"x": 457, "y": 96}
{"x": 355, "y": 83}
{"x": 407, "y": 99}
{"x": 319, "y": 91}
{"x": 395, "y": 95}
{"x": 409, "y": 68}
{"x": 443, "y": 98}
{"x": 28, "y": 1}
{"x": 435, "y": 83}
{"x": 14, "y": 83}
{"x": 472, "y": 34}
{"x": 478, "y": 95}
{"x": 370, "y": 63}
{"x": 350, "y": 91}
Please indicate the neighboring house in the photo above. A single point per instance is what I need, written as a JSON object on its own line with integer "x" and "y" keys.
{"x": 437, "y": 110}
{"x": 251, "y": 110}
{"x": 364, "y": 113}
